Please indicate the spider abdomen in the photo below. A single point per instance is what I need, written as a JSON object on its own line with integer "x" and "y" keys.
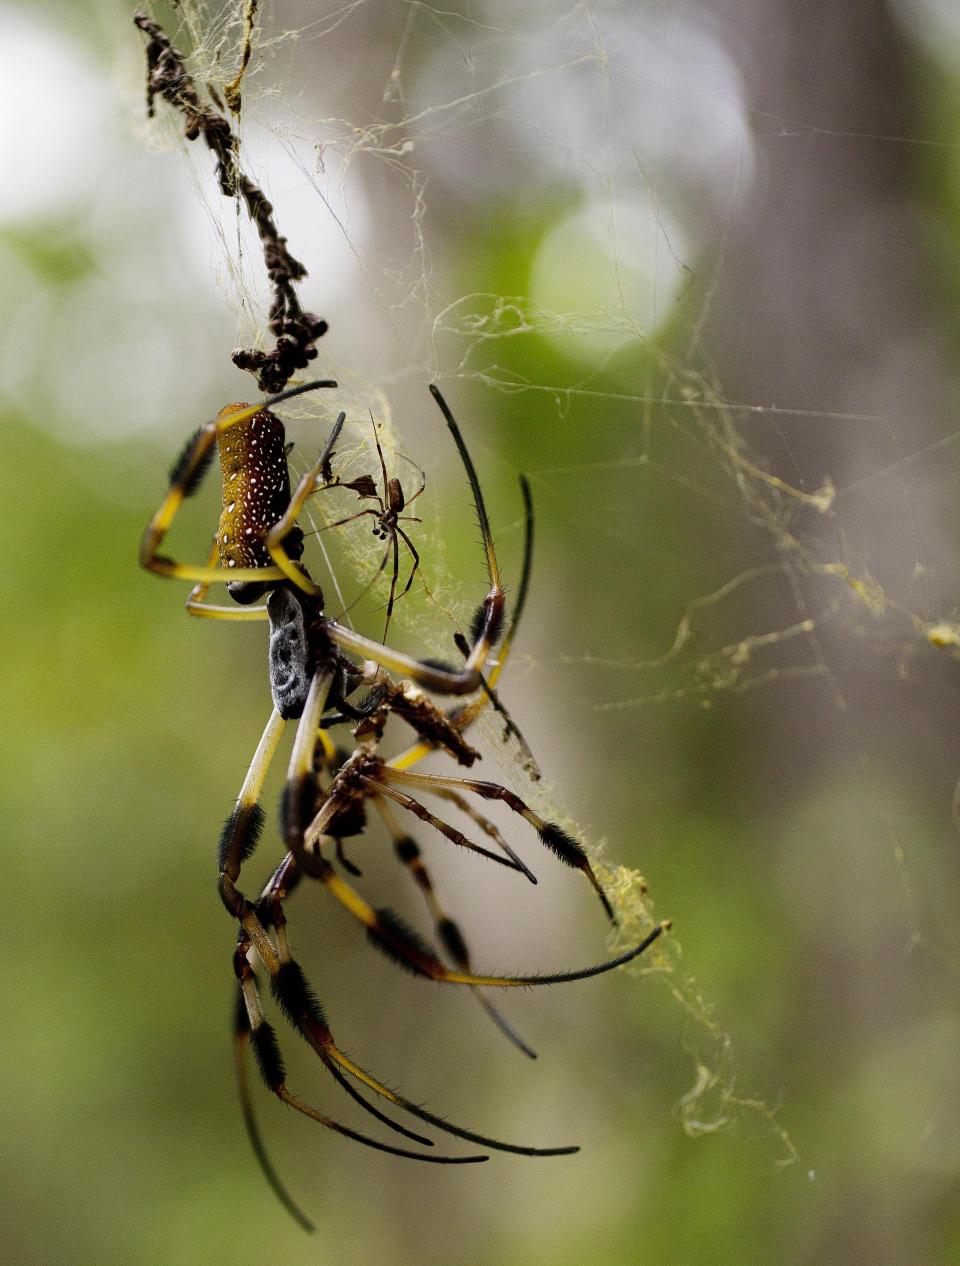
{"x": 256, "y": 486}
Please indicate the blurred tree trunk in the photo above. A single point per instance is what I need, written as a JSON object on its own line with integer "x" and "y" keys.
{"x": 828, "y": 304}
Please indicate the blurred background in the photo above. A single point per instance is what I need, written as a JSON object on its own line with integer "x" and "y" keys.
{"x": 694, "y": 267}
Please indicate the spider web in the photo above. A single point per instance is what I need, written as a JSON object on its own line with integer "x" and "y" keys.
{"x": 611, "y": 146}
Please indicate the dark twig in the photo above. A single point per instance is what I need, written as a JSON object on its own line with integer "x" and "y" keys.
{"x": 296, "y": 331}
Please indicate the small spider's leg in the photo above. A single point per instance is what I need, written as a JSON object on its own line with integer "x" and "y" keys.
{"x": 416, "y": 559}
{"x": 241, "y": 1039}
{"x": 420, "y": 471}
{"x": 448, "y": 932}
{"x": 270, "y": 1061}
{"x": 349, "y": 519}
{"x": 280, "y": 530}
{"x": 185, "y": 478}
{"x": 383, "y": 465}
{"x": 560, "y": 843}
{"x": 456, "y": 837}
{"x": 197, "y": 604}
{"x": 395, "y": 547}
{"x": 373, "y": 579}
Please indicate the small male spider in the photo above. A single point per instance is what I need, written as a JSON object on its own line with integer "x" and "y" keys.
{"x": 313, "y": 673}
{"x": 387, "y": 518}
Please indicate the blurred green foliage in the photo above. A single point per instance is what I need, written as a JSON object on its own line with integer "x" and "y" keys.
{"x": 815, "y": 904}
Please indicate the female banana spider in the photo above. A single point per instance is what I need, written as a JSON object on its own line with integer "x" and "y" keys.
{"x": 314, "y": 670}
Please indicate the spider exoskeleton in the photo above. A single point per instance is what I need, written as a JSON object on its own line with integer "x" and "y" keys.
{"x": 314, "y": 670}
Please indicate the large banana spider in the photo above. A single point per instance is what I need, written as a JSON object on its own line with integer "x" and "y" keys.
{"x": 313, "y": 672}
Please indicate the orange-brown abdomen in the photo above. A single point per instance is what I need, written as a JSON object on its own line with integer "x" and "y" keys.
{"x": 256, "y": 486}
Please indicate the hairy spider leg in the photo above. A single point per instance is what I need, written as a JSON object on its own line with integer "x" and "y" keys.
{"x": 448, "y": 932}
{"x": 384, "y": 928}
{"x": 269, "y": 909}
{"x": 390, "y": 934}
{"x": 185, "y": 478}
{"x": 304, "y": 842}
{"x": 489, "y": 828}
{"x": 301, "y": 1008}
{"x": 400, "y": 1101}
{"x": 528, "y": 761}
{"x": 304, "y": 1012}
{"x": 559, "y": 841}
{"x": 238, "y": 840}
{"x": 374, "y": 786}
{"x": 270, "y": 1061}
{"x": 243, "y": 828}
{"x": 241, "y": 1040}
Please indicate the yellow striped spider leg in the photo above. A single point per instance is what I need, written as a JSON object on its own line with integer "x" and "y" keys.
{"x": 251, "y": 443}
{"x": 311, "y": 819}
